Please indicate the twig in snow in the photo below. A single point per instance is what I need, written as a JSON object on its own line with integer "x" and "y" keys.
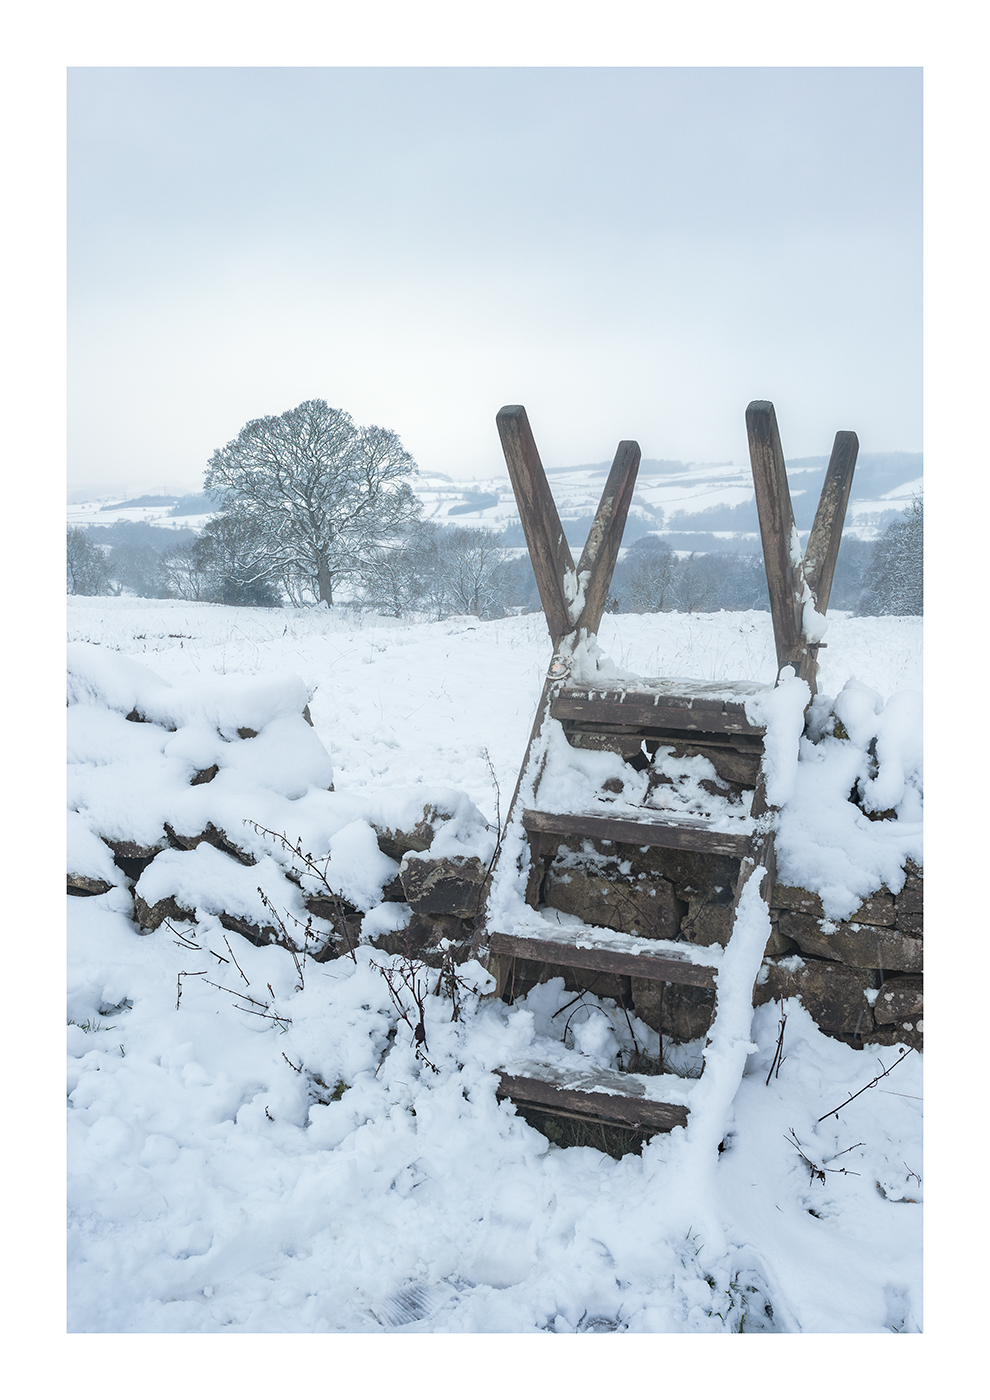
{"x": 845, "y": 1150}
{"x": 236, "y": 963}
{"x": 178, "y": 985}
{"x": 286, "y": 941}
{"x": 779, "y": 1056}
{"x": 408, "y": 976}
{"x": 567, "y": 1023}
{"x": 185, "y": 942}
{"x": 266, "y": 1012}
{"x": 817, "y": 1171}
{"x": 319, "y": 872}
{"x": 836, "y": 1111}
{"x": 499, "y": 833}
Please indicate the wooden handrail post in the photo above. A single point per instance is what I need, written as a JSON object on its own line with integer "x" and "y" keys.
{"x": 781, "y": 546}
{"x": 601, "y": 548}
{"x": 794, "y": 579}
{"x": 553, "y": 563}
{"x": 822, "y": 548}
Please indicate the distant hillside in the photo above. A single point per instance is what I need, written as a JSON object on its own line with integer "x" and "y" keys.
{"x": 702, "y": 506}
{"x": 695, "y": 506}
{"x": 142, "y": 501}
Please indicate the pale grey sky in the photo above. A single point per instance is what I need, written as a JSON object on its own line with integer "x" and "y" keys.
{"x": 628, "y": 252}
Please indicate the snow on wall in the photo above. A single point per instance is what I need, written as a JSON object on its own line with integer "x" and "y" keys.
{"x": 852, "y": 816}
{"x": 228, "y": 754}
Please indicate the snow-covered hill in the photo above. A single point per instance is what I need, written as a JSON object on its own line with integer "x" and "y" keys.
{"x": 884, "y": 482}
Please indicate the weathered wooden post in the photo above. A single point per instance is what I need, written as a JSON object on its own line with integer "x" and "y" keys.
{"x": 799, "y": 584}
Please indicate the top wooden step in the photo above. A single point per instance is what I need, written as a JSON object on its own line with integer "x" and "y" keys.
{"x": 713, "y": 707}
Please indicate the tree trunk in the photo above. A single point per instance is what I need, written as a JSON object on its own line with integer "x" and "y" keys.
{"x": 324, "y": 583}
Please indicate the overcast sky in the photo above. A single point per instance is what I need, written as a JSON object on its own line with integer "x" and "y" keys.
{"x": 628, "y": 252}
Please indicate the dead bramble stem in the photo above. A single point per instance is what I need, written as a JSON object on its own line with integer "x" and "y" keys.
{"x": 283, "y": 1022}
{"x": 408, "y": 975}
{"x": 819, "y": 1171}
{"x": 311, "y": 866}
{"x": 836, "y": 1111}
{"x": 236, "y": 963}
{"x": 178, "y": 985}
{"x": 415, "y": 978}
{"x": 184, "y": 941}
{"x": 483, "y": 888}
{"x": 779, "y": 1057}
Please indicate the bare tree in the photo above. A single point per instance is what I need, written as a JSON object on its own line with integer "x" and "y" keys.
{"x": 893, "y": 582}
{"x": 398, "y": 578}
{"x": 473, "y": 563}
{"x": 323, "y": 493}
{"x": 232, "y": 554}
{"x": 648, "y": 580}
{"x": 181, "y": 575}
{"x": 87, "y": 572}
{"x": 439, "y": 571}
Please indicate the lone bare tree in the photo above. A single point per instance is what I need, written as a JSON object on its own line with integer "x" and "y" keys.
{"x": 322, "y": 493}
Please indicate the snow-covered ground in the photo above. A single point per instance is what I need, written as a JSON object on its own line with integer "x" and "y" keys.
{"x": 210, "y": 1190}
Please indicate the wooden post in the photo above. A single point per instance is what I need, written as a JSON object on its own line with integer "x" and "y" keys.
{"x": 605, "y": 536}
{"x": 822, "y": 548}
{"x": 781, "y": 548}
{"x": 553, "y": 563}
{"x": 789, "y": 572}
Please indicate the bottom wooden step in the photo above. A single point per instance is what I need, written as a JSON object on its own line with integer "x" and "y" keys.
{"x": 599, "y": 1096}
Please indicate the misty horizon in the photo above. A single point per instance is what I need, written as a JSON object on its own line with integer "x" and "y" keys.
{"x": 631, "y": 253}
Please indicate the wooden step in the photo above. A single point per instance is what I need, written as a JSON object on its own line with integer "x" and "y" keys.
{"x": 656, "y": 1102}
{"x": 623, "y": 954}
{"x": 687, "y": 706}
{"x": 749, "y": 744}
{"x": 672, "y": 834}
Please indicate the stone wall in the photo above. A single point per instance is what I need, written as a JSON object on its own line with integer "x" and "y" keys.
{"x": 860, "y": 979}
{"x": 444, "y": 893}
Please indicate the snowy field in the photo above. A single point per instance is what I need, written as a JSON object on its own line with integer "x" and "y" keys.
{"x": 209, "y": 1193}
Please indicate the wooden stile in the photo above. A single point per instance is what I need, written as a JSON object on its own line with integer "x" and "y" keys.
{"x": 705, "y": 718}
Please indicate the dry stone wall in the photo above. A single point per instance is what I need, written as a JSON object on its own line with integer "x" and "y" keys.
{"x": 203, "y": 799}
{"x": 860, "y": 978}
